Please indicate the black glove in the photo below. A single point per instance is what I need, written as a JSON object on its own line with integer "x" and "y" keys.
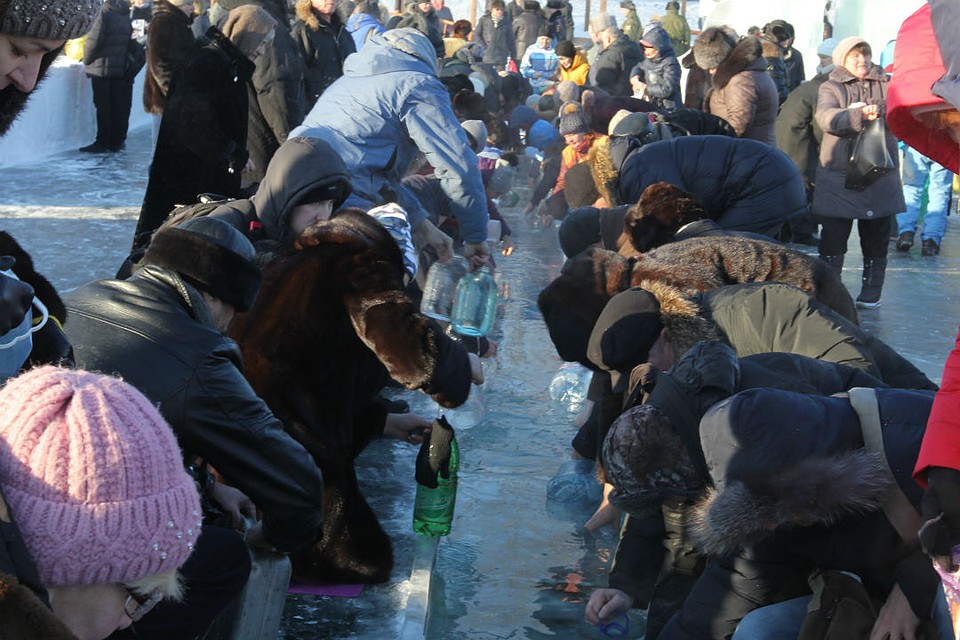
{"x": 434, "y": 455}
{"x": 941, "y": 515}
{"x": 15, "y": 298}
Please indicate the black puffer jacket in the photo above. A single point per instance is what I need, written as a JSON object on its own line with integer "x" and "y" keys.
{"x": 155, "y": 331}
{"x": 105, "y": 49}
{"x": 744, "y": 185}
{"x": 818, "y": 452}
{"x": 324, "y": 46}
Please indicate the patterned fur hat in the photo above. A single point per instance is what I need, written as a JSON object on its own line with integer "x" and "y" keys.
{"x": 713, "y": 46}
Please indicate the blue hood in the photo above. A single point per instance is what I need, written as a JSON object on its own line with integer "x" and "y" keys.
{"x": 394, "y": 50}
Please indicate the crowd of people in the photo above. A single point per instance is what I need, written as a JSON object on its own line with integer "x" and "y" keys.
{"x": 764, "y": 452}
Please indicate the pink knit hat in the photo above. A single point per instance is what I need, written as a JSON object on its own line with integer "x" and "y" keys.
{"x": 94, "y": 479}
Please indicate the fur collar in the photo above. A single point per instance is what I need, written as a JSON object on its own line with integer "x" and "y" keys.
{"x": 304, "y": 11}
{"x": 813, "y": 491}
{"x": 24, "y": 617}
{"x": 605, "y": 175}
{"x": 680, "y": 316}
{"x": 743, "y": 56}
{"x": 771, "y": 49}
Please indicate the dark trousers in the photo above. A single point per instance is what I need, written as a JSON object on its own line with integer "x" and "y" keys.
{"x": 112, "y": 97}
{"x": 213, "y": 577}
{"x": 874, "y": 236}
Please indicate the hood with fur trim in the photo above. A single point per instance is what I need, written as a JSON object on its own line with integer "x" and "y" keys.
{"x": 782, "y": 459}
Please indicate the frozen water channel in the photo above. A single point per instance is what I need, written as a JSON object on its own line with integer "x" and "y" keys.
{"x": 515, "y": 565}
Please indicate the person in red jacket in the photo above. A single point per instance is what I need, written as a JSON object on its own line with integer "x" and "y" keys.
{"x": 923, "y": 112}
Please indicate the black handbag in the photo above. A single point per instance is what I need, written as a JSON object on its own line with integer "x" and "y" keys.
{"x": 136, "y": 58}
{"x": 869, "y": 158}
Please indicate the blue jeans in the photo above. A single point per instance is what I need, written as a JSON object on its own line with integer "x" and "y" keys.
{"x": 782, "y": 621}
{"x": 779, "y": 621}
{"x": 919, "y": 173}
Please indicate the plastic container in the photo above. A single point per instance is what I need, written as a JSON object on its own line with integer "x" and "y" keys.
{"x": 575, "y": 481}
{"x": 570, "y": 384}
{"x": 440, "y": 287}
{"x": 433, "y": 508}
{"x": 470, "y": 413}
{"x": 475, "y": 303}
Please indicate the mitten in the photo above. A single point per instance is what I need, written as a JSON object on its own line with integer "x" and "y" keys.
{"x": 434, "y": 455}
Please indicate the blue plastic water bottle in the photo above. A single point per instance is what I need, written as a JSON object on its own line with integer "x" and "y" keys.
{"x": 475, "y": 303}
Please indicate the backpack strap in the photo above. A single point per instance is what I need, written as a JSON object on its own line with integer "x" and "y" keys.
{"x": 898, "y": 509}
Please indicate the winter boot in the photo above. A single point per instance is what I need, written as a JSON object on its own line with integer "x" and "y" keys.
{"x": 930, "y": 248}
{"x": 905, "y": 241}
{"x": 874, "y": 272}
{"x": 835, "y": 262}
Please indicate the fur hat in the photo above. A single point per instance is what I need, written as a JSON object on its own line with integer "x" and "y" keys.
{"x": 601, "y": 22}
{"x": 623, "y": 334}
{"x": 48, "y": 19}
{"x": 542, "y": 134}
{"x": 248, "y": 26}
{"x": 627, "y": 4}
{"x": 579, "y": 187}
{"x": 476, "y": 134}
{"x": 212, "y": 256}
{"x": 845, "y": 46}
{"x": 776, "y": 31}
{"x": 94, "y": 478}
{"x": 713, "y": 46}
{"x": 645, "y": 460}
{"x": 565, "y": 49}
{"x": 662, "y": 210}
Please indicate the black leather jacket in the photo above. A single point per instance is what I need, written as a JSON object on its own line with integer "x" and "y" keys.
{"x": 155, "y": 331}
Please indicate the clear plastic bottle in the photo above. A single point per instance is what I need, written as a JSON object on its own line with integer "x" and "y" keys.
{"x": 441, "y": 286}
{"x": 475, "y": 303}
{"x": 433, "y": 508}
{"x": 570, "y": 384}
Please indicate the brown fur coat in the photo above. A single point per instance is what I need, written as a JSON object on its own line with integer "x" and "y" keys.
{"x": 24, "y": 617}
{"x": 572, "y": 303}
{"x": 331, "y": 325}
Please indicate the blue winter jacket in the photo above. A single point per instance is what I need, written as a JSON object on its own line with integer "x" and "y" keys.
{"x": 360, "y": 25}
{"x": 387, "y": 106}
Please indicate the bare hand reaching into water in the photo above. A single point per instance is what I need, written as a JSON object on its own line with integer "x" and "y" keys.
{"x": 406, "y": 426}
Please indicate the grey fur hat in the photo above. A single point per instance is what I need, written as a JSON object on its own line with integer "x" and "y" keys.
{"x": 713, "y": 46}
{"x": 48, "y": 19}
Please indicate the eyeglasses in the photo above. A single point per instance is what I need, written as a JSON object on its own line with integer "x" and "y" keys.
{"x": 136, "y": 608}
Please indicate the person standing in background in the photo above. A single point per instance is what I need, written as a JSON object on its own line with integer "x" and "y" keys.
{"x": 104, "y": 61}
{"x": 169, "y": 42}
{"x": 631, "y": 26}
{"x": 324, "y": 43}
{"x": 493, "y": 31}
{"x": 677, "y": 27}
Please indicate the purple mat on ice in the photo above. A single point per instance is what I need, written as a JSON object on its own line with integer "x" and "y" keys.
{"x": 322, "y": 589}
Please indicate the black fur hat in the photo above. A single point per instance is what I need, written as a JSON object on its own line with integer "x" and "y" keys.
{"x": 212, "y": 256}
{"x": 713, "y": 46}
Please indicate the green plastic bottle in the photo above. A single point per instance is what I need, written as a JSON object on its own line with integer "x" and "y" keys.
{"x": 433, "y": 508}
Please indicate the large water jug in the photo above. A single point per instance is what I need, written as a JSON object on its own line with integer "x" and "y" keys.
{"x": 475, "y": 303}
{"x": 441, "y": 286}
{"x": 570, "y": 385}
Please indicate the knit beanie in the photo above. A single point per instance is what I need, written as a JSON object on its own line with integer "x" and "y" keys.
{"x": 48, "y": 19}
{"x": 844, "y": 47}
{"x": 568, "y": 91}
{"x": 542, "y": 134}
{"x": 713, "y": 46}
{"x": 573, "y": 122}
{"x": 565, "y": 49}
{"x": 212, "y": 256}
{"x": 827, "y": 47}
{"x": 94, "y": 479}
{"x": 522, "y": 117}
{"x": 247, "y": 26}
{"x": 478, "y": 134}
